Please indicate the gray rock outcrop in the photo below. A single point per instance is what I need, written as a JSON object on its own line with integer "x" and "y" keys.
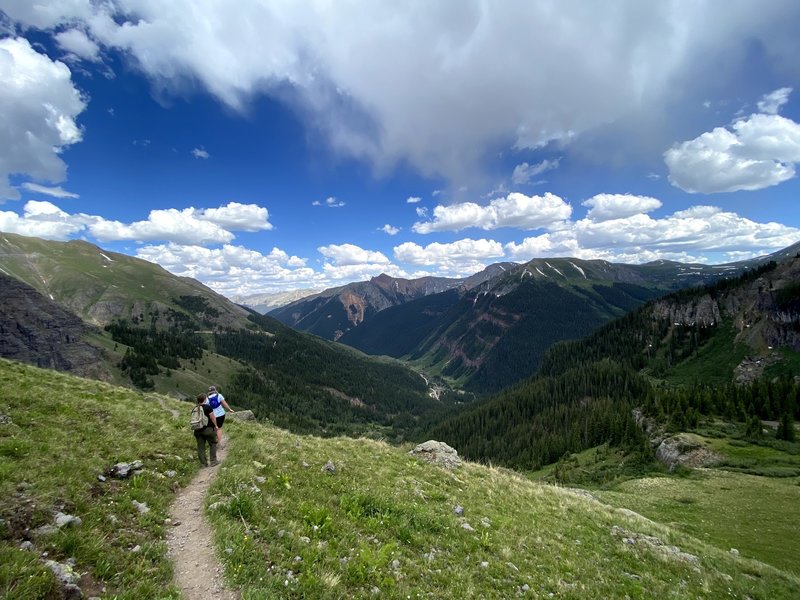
{"x": 702, "y": 311}
{"x": 681, "y": 449}
{"x": 437, "y": 453}
{"x": 242, "y": 415}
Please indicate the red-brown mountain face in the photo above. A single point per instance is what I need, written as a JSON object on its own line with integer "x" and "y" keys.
{"x": 334, "y": 312}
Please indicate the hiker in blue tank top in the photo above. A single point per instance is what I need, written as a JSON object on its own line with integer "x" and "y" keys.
{"x": 217, "y": 401}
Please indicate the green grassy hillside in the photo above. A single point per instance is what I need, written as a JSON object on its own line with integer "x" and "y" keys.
{"x": 383, "y": 523}
{"x": 62, "y": 432}
{"x": 100, "y": 286}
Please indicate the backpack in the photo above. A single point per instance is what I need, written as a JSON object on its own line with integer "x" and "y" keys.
{"x": 214, "y": 401}
{"x": 198, "y": 419}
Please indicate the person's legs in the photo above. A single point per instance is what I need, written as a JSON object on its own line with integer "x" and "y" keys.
{"x": 220, "y": 422}
{"x": 201, "y": 448}
{"x": 212, "y": 450}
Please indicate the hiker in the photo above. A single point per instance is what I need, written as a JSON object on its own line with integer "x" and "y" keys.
{"x": 217, "y": 402}
{"x": 208, "y": 434}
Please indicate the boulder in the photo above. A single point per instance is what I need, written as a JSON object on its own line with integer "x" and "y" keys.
{"x": 437, "y": 453}
{"x": 242, "y": 415}
{"x": 684, "y": 450}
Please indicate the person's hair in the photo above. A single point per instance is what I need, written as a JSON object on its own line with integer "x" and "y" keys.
{"x": 201, "y": 398}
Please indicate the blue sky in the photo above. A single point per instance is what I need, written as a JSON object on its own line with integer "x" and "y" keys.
{"x": 281, "y": 146}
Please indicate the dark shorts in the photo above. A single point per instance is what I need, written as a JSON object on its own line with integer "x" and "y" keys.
{"x": 220, "y": 421}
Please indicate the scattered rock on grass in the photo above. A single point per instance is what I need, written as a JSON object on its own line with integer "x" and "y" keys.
{"x": 67, "y": 579}
{"x": 62, "y": 520}
{"x": 44, "y": 531}
{"x": 652, "y": 542}
{"x": 141, "y": 506}
{"x": 124, "y": 470}
{"x": 329, "y": 467}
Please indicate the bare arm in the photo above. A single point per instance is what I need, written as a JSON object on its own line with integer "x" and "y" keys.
{"x": 225, "y": 405}
{"x": 213, "y": 419}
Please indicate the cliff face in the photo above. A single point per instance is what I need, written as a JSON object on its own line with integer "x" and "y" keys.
{"x": 701, "y": 311}
{"x": 36, "y": 330}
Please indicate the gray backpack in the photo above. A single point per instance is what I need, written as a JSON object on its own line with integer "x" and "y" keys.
{"x": 198, "y": 419}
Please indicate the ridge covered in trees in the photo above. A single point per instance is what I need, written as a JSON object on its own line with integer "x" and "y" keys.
{"x": 584, "y": 391}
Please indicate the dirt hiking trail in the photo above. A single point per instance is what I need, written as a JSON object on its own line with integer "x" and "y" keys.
{"x": 198, "y": 572}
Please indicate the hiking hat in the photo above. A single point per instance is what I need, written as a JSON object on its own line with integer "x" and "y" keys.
{"x": 211, "y": 388}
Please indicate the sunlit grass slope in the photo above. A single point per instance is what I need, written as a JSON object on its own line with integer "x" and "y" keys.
{"x": 384, "y": 524}
{"x": 758, "y": 516}
{"x": 64, "y": 432}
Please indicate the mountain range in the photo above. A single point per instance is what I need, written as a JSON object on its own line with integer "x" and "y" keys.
{"x": 492, "y": 329}
{"x": 76, "y": 307}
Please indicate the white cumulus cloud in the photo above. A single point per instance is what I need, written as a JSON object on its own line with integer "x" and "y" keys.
{"x": 690, "y": 235}
{"x": 178, "y": 226}
{"x": 236, "y": 217}
{"x": 200, "y": 153}
{"x": 350, "y": 254}
{"x": 759, "y": 152}
{"x": 232, "y": 270}
{"x": 413, "y": 199}
{"x": 515, "y": 210}
{"x": 42, "y": 219}
{"x": 605, "y": 207}
{"x": 456, "y": 259}
{"x": 189, "y": 226}
{"x": 39, "y": 106}
{"x": 390, "y": 229}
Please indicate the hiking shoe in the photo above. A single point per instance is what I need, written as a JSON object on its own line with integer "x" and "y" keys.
{"x": 214, "y": 463}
